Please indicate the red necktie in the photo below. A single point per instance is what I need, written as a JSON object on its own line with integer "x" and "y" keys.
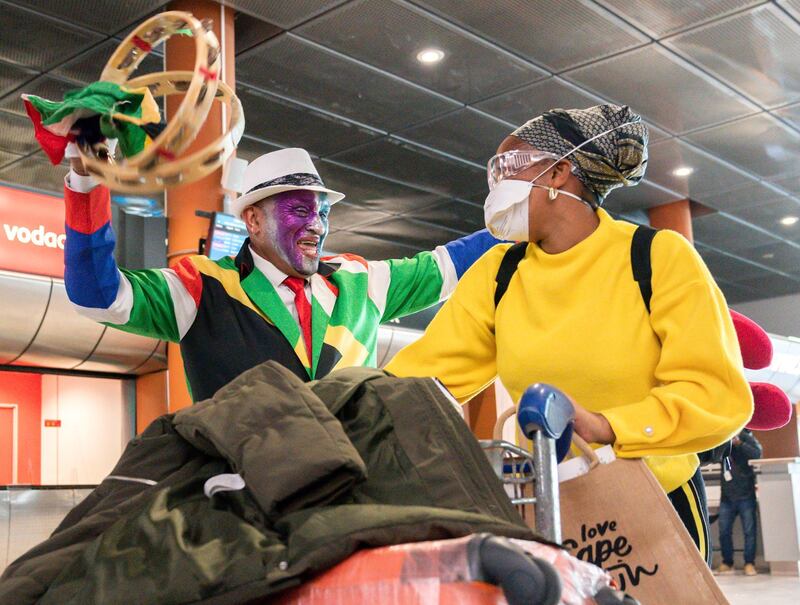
{"x": 297, "y": 285}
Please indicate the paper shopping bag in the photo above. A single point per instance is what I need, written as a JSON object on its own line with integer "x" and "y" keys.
{"x": 618, "y": 517}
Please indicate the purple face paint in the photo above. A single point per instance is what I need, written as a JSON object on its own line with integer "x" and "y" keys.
{"x": 298, "y": 226}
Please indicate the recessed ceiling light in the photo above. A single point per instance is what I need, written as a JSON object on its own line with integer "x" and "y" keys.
{"x": 789, "y": 220}
{"x": 683, "y": 171}
{"x": 768, "y": 255}
{"x": 430, "y": 55}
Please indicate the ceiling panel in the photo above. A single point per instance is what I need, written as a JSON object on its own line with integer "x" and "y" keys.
{"x": 709, "y": 177}
{"x": 284, "y": 13}
{"x": 735, "y": 293}
{"x": 22, "y": 40}
{"x": 793, "y": 6}
{"x": 722, "y": 232}
{"x": 724, "y": 267}
{"x": 43, "y": 86}
{"x": 465, "y": 133}
{"x": 791, "y": 114}
{"x": 750, "y": 195}
{"x": 249, "y": 149}
{"x": 755, "y": 51}
{"x": 371, "y": 248}
{"x": 780, "y": 256}
{"x": 526, "y": 103}
{"x": 291, "y": 67}
{"x": 662, "y": 17}
{"x": 790, "y": 183}
{"x": 251, "y": 31}
{"x": 455, "y": 215}
{"x": 772, "y": 285}
{"x": 372, "y": 192}
{"x": 35, "y": 172}
{"x": 6, "y": 157}
{"x": 641, "y": 196}
{"x": 12, "y": 76}
{"x": 769, "y": 215}
{"x": 413, "y": 165}
{"x": 290, "y": 125}
{"x": 760, "y": 144}
{"x": 88, "y": 66}
{"x": 106, "y": 17}
{"x": 346, "y": 215}
{"x": 16, "y": 134}
{"x": 663, "y": 89}
{"x": 537, "y": 29}
{"x": 410, "y": 233}
{"x": 389, "y": 36}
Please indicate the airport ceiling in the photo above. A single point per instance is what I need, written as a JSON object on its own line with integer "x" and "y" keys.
{"x": 717, "y": 80}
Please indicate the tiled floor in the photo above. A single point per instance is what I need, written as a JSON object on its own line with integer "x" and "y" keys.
{"x": 761, "y": 590}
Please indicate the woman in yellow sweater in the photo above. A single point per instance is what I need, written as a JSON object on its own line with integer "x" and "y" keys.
{"x": 659, "y": 385}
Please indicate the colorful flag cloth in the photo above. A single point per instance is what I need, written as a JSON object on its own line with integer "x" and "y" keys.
{"x": 121, "y": 112}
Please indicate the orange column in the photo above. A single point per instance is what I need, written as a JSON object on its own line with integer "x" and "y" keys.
{"x": 184, "y": 228}
{"x": 151, "y": 398}
{"x": 481, "y": 413}
{"x": 675, "y": 215}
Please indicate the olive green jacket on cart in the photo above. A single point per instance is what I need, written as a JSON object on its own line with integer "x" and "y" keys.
{"x": 357, "y": 459}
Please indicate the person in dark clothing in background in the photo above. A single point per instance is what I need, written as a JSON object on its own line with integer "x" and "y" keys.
{"x": 739, "y": 498}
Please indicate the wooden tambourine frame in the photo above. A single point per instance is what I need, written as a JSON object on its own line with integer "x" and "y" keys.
{"x": 133, "y": 179}
{"x": 157, "y": 167}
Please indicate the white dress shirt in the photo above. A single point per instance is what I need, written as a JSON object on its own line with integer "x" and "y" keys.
{"x": 276, "y": 278}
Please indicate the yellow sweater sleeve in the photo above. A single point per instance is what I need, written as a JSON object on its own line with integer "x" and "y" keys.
{"x": 701, "y": 398}
{"x": 458, "y": 347}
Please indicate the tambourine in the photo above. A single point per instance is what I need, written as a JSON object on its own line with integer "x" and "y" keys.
{"x": 157, "y": 165}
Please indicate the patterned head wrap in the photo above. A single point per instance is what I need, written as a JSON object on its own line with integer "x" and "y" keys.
{"x": 610, "y": 161}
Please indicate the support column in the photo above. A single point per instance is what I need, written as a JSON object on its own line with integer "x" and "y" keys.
{"x": 675, "y": 215}
{"x": 481, "y": 412}
{"x": 151, "y": 398}
{"x": 183, "y": 227}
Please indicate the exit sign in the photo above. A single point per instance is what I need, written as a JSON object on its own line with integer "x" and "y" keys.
{"x": 52, "y": 423}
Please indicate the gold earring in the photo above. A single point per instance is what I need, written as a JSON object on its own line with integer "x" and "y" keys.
{"x": 552, "y": 194}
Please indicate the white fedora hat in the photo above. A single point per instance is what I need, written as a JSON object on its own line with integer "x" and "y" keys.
{"x": 279, "y": 171}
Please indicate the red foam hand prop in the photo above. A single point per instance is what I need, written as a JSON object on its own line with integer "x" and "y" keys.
{"x": 754, "y": 342}
{"x": 772, "y": 408}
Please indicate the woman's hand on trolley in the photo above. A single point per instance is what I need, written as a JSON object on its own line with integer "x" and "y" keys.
{"x": 592, "y": 427}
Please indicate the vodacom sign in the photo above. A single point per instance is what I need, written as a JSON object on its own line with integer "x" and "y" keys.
{"x": 37, "y": 237}
{"x": 32, "y": 235}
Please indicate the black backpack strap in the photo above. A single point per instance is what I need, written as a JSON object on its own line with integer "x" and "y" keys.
{"x": 508, "y": 266}
{"x": 640, "y": 261}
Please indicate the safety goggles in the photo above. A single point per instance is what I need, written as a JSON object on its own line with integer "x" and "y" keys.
{"x": 505, "y": 165}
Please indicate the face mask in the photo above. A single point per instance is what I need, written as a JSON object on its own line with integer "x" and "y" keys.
{"x": 505, "y": 210}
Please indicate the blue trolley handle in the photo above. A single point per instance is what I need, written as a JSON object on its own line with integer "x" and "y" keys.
{"x": 545, "y": 416}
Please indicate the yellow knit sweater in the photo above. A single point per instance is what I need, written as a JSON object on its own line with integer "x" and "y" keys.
{"x": 670, "y": 382}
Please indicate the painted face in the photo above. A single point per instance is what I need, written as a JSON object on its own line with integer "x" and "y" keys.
{"x": 297, "y": 223}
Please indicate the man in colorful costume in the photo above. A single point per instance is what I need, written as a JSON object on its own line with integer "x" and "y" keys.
{"x": 277, "y": 300}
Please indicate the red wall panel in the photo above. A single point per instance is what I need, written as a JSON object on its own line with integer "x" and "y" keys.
{"x": 25, "y": 390}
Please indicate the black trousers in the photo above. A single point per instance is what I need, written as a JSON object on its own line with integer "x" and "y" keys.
{"x": 689, "y": 501}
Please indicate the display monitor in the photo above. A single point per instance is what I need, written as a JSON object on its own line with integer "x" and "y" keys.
{"x": 226, "y": 235}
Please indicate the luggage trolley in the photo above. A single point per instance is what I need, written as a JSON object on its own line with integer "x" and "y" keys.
{"x": 545, "y": 416}
{"x": 458, "y": 570}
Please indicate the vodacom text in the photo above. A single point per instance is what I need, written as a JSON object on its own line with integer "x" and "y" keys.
{"x": 37, "y": 236}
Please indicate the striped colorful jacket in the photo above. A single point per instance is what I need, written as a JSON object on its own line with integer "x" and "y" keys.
{"x": 228, "y": 316}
